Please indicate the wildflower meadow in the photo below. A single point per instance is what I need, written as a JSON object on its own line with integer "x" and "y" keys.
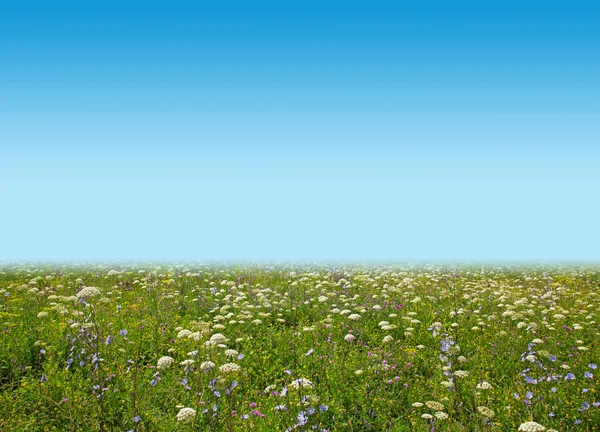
{"x": 231, "y": 347}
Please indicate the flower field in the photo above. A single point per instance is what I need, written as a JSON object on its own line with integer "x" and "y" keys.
{"x": 228, "y": 347}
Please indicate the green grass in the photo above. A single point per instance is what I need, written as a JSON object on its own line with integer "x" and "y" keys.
{"x": 74, "y": 358}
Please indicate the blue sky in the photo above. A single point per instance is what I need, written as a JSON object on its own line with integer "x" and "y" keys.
{"x": 300, "y": 130}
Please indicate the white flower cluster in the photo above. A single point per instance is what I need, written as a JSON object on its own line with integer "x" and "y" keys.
{"x": 349, "y": 337}
{"x": 437, "y": 406}
{"x": 165, "y": 362}
{"x": 301, "y": 383}
{"x": 230, "y": 368}
{"x": 484, "y": 385}
{"x": 231, "y": 353}
{"x": 217, "y": 339}
{"x": 486, "y": 412}
{"x": 87, "y": 292}
{"x": 531, "y": 426}
{"x": 186, "y": 415}
{"x": 207, "y": 365}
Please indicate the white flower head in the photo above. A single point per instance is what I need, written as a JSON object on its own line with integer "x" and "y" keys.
{"x": 186, "y": 415}
{"x": 164, "y": 362}
{"x": 531, "y": 426}
{"x": 230, "y": 368}
{"x": 88, "y": 292}
{"x": 301, "y": 383}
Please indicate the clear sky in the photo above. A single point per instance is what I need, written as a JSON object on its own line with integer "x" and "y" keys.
{"x": 300, "y": 130}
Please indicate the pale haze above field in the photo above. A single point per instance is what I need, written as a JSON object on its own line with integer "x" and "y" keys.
{"x": 300, "y": 130}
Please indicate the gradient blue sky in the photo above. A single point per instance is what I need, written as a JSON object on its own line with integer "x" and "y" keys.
{"x": 300, "y": 130}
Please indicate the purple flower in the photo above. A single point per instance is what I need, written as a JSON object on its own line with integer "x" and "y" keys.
{"x": 585, "y": 405}
{"x": 588, "y": 375}
{"x": 552, "y": 358}
{"x": 123, "y": 332}
{"x": 529, "y": 395}
{"x": 280, "y": 408}
{"x": 569, "y": 377}
{"x": 577, "y": 421}
{"x": 302, "y": 418}
{"x": 553, "y": 389}
{"x": 136, "y": 419}
{"x": 240, "y": 356}
{"x": 43, "y": 379}
{"x": 323, "y": 407}
{"x": 592, "y": 366}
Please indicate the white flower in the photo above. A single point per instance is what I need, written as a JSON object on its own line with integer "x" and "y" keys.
{"x": 184, "y": 334}
{"x": 231, "y": 353}
{"x": 388, "y": 339}
{"x": 42, "y": 314}
{"x": 486, "y": 412}
{"x": 87, "y": 292}
{"x": 417, "y": 404}
{"x": 427, "y": 416}
{"x": 218, "y": 338}
{"x": 434, "y": 405}
{"x": 461, "y": 374}
{"x": 230, "y": 368}
{"x": 349, "y": 337}
{"x": 187, "y": 362}
{"x": 484, "y": 385}
{"x": 186, "y": 414}
{"x": 441, "y": 415}
{"x": 164, "y": 362}
{"x": 354, "y": 317}
{"x": 531, "y": 426}
{"x": 301, "y": 382}
{"x": 207, "y": 365}
{"x": 358, "y": 372}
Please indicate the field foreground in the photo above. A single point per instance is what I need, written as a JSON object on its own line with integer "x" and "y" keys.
{"x": 299, "y": 347}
